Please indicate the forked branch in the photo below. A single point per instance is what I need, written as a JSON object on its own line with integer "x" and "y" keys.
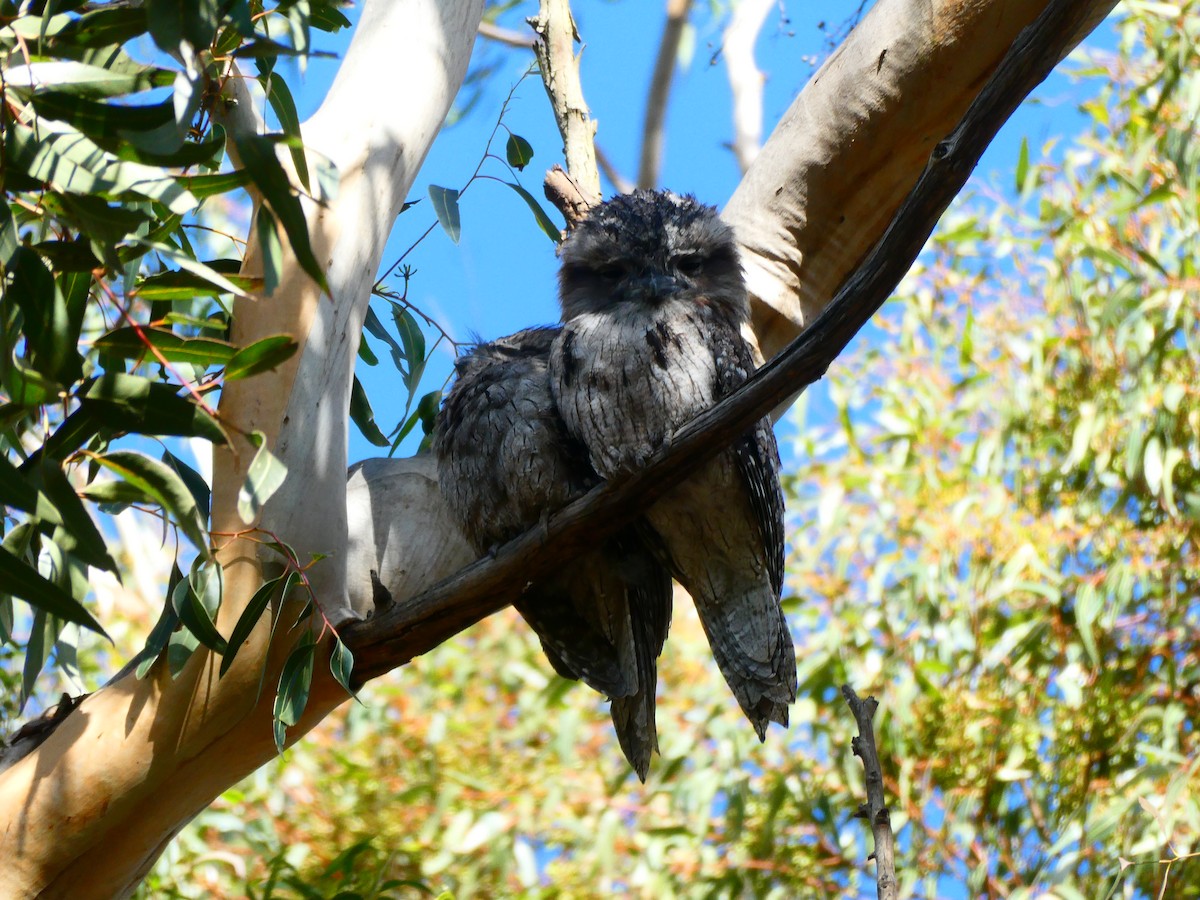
{"x": 416, "y": 625}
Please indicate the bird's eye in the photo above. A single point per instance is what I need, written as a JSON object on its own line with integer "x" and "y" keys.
{"x": 611, "y": 272}
{"x": 690, "y": 264}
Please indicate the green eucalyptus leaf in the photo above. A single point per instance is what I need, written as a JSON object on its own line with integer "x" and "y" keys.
{"x": 69, "y": 161}
{"x": 42, "y": 635}
{"x": 341, "y": 664}
{"x": 294, "y": 683}
{"x": 173, "y": 21}
{"x": 160, "y": 635}
{"x": 195, "y": 482}
{"x": 413, "y": 340}
{"x": 217, "y": 183}
{"x": 86, "y": 79}
{"x": 139, "y": 405}
{"x": 137, "y": 343}
{"x": 263, "y": 479}
{"x": 271, "y": 249}
{"x": 190, "y": 264}
{"x": 280, "y": 99}
{"x": 182, "y": 285}
{"x": 445, "y": 205}
{"x": 257, "y": 153}
{"x": 249, "y": 618}
{"x": 86, "y": 541}
{"x": 109, "y": 26}
{"x": 261, "y": 356}
{"x": 196, "y": 602}
{"x": 21, "y": 580}
{"x": 159, "y": 481}
{"x": 543, "y": 219}
{"x": 363, "y": 416}
{"x": 518, "y": 151}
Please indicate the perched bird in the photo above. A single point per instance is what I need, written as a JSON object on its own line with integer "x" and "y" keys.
{"x": 653, "y": 302}
{"x": 505, "y": 461}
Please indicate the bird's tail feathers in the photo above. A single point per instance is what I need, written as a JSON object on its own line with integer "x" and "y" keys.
{"x": 753, "y": 648}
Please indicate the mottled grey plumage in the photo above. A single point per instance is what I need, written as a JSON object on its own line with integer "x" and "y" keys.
{"x": 504, "y": 461}
{"x": 653, "y": 301}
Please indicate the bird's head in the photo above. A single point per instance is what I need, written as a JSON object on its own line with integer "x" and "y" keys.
{"x": 650, "y": 247}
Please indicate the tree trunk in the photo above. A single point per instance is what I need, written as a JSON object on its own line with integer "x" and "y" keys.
{"x": 91, "y": 809}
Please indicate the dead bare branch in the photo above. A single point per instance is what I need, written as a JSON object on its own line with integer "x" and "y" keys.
{"x": 875, "y": 809}
{"x": 522, "y": 40}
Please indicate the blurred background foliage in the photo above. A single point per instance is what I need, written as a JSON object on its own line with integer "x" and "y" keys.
{"x": 998, "y": 539}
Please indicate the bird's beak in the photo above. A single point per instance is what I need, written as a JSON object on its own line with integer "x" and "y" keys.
{"x": 654, "y": 287}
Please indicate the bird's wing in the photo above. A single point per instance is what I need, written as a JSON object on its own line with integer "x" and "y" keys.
{"x": 757, "y": 452}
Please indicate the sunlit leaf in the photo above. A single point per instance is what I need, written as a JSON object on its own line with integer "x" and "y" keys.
{"x": 263, "y": 479}
{"x": 445, "y": 205}
{"x": 280, "y": 98}
{"x": 294, "y": 683}
{"x": 71, "y": 162}
{"x": 160, "y": 634}
{"x": 257, "y": 153}
{"x": 137, "y": 343}
{"x": 261, "y": 356}
{"x": 161, "y": 484}
{"x": 22, "y": 581}
{"x": 196, "y": 600}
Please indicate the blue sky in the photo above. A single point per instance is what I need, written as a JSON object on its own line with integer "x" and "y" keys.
{"x": 501, "y": 276}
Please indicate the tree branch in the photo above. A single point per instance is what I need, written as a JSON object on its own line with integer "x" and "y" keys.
{"x": 838, "y": 164}
{"x": 875, "y": 809}
{"x": 421, "y": 623}
{"x": 559, "y": 66}
{"x": 509, "y": 37}
{"x": 745, "y": 79}
{"x": 660, "y": 92}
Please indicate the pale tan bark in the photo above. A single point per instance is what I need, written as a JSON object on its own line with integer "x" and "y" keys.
{"x": 852, "y": 144}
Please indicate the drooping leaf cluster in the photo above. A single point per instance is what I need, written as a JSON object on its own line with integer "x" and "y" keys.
{"x": 408, "y": 349}
{"x": 115, "y": 314}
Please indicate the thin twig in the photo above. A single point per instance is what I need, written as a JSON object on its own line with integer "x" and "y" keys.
{"x": 620, "y": 183}
{"x": 875, "y": 809}
{"x": 418, "y": 624}
{"x": 509, "y": 37}
{"x": 660, "y": 92}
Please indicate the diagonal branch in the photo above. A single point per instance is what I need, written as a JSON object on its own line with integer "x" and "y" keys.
{"x": 660, "y": 91}
{"x": 421, "y": 623}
